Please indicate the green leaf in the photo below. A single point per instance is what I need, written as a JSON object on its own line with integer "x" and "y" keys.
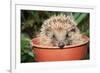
{"x": 80, "y": 17}
{"x": 25, "y": 41}
{"x": 76, "y": 15}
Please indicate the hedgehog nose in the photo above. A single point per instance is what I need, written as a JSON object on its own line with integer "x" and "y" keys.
{"x": 61, "y": 45}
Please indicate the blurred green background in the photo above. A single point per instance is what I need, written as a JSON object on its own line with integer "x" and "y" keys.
{"x": 31, "y": 22}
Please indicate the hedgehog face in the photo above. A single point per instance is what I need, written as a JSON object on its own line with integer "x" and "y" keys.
{"x": 60, "y": 36}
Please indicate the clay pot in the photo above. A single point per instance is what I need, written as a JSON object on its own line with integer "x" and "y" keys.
{"x": 48, "y": 53}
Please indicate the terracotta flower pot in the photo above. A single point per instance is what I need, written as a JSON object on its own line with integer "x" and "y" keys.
{"x": 48, "y": 53}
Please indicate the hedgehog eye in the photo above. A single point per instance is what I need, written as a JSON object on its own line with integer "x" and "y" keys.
{"x": 66, "y": 35}
{"x": 53, "y": 36}
{"x": 72, "y": 30}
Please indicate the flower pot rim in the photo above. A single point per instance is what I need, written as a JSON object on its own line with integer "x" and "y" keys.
{"x": 55, "y": 47}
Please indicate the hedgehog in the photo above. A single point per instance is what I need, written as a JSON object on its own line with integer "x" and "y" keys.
{"x": 60, "y": 30}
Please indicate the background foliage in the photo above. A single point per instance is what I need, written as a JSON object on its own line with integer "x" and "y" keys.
{"x": 31, "y": 22}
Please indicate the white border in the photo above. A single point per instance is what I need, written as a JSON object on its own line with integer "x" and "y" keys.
{"x": 15, "y": 59}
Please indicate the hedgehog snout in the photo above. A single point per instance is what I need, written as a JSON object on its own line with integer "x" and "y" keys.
{"x": 61, "y": 45}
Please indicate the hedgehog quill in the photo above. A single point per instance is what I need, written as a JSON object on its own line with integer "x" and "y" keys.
{"x": 60, "y": 30}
